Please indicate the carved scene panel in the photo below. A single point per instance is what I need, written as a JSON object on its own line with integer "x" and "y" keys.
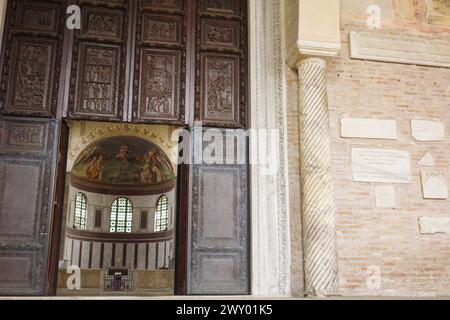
{"x": 220, "y": 89}
{"x": 159, "y": 85}
{"x": 38, "y": 17}
{"x": 162, "y": 29}
{"x": 31, "y": 77}
{"x": 98, "y": 80}
{"x": 220, "y": 34}
{"x": 102, "y": 23}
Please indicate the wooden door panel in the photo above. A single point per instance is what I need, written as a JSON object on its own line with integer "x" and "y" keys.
{"x": 219, "y": 244}
{"x": 100, "y": 62}
{"x": 221, "y": 63}
{"x": 160, "y": 65}
{"x": 32, "y": 53}
{"x": 27, "y": 161}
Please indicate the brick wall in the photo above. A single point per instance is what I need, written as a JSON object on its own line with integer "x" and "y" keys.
{"x": 388, "y": 240}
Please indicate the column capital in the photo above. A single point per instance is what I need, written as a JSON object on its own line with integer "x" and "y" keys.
{"x": 312, "y": 50}
{"x": 316, "y": 60}
{"x": 312, "y": 31}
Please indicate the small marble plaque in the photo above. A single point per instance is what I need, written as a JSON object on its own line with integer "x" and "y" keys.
{"x": 432, "y": 225}
{"x": 368, "y": 128}
{"x": 434, "y": 184}
{"x": 427, "y": 131}
{"x": 385, "y": 197}
{"x": 427, "y": 160}
{"x": 381, "y": 165}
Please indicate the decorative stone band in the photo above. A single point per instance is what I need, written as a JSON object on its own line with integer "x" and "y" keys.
{"x": 317, "y": 184}
{"x": 84, "y": 235}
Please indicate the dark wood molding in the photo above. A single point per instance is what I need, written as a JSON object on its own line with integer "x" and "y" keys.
{"x": 182, "y": 221}
{"x": 109, "y": 237}
{"x": 58, "y": 212}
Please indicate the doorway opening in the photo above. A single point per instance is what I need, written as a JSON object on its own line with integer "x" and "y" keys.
{"x": 118, "y": 234}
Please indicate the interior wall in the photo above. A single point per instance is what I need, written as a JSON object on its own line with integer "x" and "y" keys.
{"x": 381, "y": 251}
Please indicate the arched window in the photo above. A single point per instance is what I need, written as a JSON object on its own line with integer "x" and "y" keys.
{"x": 80, "y": 211}
{"x": 121, "y": 215}
{"x": 162, "y": 214}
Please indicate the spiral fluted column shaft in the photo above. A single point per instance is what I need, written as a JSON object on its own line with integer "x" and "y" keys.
{"x": 317, "y": 185}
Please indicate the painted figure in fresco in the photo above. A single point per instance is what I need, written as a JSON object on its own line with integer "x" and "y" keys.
{"x": 94, "y": 168}
{"x": 127, "y": 161}
{"x": 150, "y": 171}
{"x": 124, "y": 167}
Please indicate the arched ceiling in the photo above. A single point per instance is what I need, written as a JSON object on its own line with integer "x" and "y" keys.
{"x": 123, "y": 165}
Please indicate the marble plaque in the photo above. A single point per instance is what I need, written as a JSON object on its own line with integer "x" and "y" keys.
{"x": 427, "y": 160}
{"x": 399, "y": 48}
{"x": 368, "y": 128}
{"x": 434, "y": 184}
{"x": 427, "y": 131}
{"x": 381, "y": 165}
{"x": 385, "y": 197}
{"x": 432, "y": 225}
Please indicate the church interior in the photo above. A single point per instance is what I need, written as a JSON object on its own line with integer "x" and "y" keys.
{"x": 119, "y": 210}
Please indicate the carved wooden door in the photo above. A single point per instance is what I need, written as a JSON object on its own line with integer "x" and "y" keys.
{"x": 219, "y": 239}
{"x": 27, "y": 171}
{"x": 219, "y": 242}
{"x": 221, "y": 63}
{"x": 160, "y": 62}
{"x": 100, "y": 61}
{"x": 31, "y": 59}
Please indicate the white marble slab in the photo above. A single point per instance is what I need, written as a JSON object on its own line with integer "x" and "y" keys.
{"x": 433, "y": 225}
{"x": 434, "y": 184}
{"x": 368, "y": 128}
{"x": 428, "y": 131}
{"x": 381, "y": 165}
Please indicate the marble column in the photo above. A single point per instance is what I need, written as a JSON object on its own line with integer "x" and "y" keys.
{"x": 316, "y": 180}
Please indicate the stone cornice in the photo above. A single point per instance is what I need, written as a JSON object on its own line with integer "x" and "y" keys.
{"x": 398, "y": 48}
{"x": 304, "y": 49}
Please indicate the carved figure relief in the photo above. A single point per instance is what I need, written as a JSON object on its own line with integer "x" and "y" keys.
{"x": 102, "y": 24}
{"x": 97, "y": 80}
{"x": 38, "y": 17}
{"x": 220, "y": 34}
{"x": 219, "y": 84}
{"x": 161, "y": 29}
{"x": 21, "y": 135}
{"x": 159, "y": 74}
{"x": 31, "y": 76}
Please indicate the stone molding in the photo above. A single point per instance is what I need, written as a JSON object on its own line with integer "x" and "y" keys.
{"x": 269, "y": 191}
{"x": 388, "y": 47}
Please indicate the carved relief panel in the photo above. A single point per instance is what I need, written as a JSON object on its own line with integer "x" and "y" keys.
{"x": 221, "y": 64}
{"x": 160, "y": 66}
{"x": 99, "y": 62}
{"x": 27, "y": 162}
{"x": 32, "y": 53}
